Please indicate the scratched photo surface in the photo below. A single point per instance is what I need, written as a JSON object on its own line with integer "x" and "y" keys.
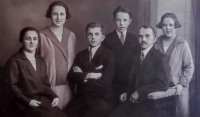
{"x": 17, "y": 14}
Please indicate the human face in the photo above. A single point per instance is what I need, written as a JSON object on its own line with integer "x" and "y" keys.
{"x": 168, "y": 27}
{"x": 30, "y": 41}
{"x": 122, "y": 21}
{"x": 58, "y": 16}
{"x": 146, "y": 38}
{"x": 94, "y": 36}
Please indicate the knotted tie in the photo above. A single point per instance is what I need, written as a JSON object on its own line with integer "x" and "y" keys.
{"x": 122, "y": 38}
{"x": 90, "y": 55}
{"x": 141, "y": 58}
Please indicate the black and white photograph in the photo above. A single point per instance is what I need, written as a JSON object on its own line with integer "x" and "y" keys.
{"x": 99, "y": 58}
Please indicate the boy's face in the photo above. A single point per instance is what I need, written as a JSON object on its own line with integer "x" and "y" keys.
{"x": 94, "y": 36}
{"x": 122, "y": 21}
{"x": 146, "y": 38}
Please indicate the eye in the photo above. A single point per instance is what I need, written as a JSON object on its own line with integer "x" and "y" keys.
{"x": 97, "y": 34}
{"x": 89, "y": 34}
{"x": 171, "y": 25}
{"x": 62, "y": 14}
{"x": 139, "y": 36}
{"x": 117, "y": 19}
{"x": 125, "y": 20}
{"x": 54, "y": 14}
{"x": 35, "y": 38}
{"x": 147, "y": 35}
{"x": 164, "y": 25}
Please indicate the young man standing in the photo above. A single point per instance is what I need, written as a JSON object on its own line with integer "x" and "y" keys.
{"x": 93, "y": 72}
{"x": 123, "y": 44}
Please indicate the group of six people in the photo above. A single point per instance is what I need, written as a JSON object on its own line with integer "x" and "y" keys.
{"x": 112, "y": 77}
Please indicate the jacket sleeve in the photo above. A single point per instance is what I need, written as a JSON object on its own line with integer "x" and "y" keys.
{"x": 187, "y": 66}
{"x": 12, "y": 71}
{"x": 160, "y": 82}
{"x": 107, "y": 75}
{"x": 75, "y": 77}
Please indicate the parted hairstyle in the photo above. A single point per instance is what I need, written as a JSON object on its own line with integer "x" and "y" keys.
{"x": 23, "y": 32}
{"x": 148, "y": 26}
{"x": 94, "y": 25}
{"x": 169, "y": 15}
{"x": 122, "y": 9}
{"x": 57, "y": 3}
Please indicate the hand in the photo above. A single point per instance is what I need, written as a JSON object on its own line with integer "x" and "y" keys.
{"x": 123, "y": 97}
{"x": 93, "y": 76}
{"x": 55, "y": 102}
{"x": 34, "y": 103}
{"x": 134, "y": 97}
{"x": 77, "y": 69}
{"x": 179, "y": 89}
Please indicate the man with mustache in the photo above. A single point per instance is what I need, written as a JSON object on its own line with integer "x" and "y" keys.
{"x": 147, "y": 75}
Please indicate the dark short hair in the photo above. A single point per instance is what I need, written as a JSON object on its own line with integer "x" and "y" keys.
{"x": 122, "y": 9}
{"x": 94, "y": 25}
{"x": 57, "y": 3}
{"x": 24, "y": 30}
{"x": 169, "y": 15}
{"x": 148, "y": 26}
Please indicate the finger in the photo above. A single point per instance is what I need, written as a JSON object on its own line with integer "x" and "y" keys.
{"x": 38, "y": 102}
{"x": 174, "y": 87}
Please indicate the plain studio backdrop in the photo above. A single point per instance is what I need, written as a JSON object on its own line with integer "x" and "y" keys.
{"x": 17, "y": 14}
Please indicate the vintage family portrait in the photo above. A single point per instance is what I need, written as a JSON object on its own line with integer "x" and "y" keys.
{"x": 99, "y": 58}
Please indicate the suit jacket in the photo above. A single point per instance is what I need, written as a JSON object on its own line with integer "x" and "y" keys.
{"x": 25, "y": 82}
{"x": 149, "y": 77}
{"x": 98, "y": 93}
{"x": 123, "y": 55}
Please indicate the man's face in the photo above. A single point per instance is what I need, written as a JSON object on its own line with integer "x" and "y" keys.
{"x": 146, "y": 38}
{"x": 122, "y": 21}
{"x": 94, "y": 36}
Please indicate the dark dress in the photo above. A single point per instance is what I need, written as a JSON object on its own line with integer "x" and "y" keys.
{"x": 26, "y": 83}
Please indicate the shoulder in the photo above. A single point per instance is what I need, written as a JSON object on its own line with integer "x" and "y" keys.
{"x": 107, "y": 52}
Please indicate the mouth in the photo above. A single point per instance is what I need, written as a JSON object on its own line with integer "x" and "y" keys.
{"x": 93, "y": 41}
{"x": 121, "y": 28}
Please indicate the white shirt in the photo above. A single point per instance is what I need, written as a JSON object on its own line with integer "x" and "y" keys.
{"x": 146, "y": 51}
{"x": 119, "y": 34}
{"x": 94, "y": 49}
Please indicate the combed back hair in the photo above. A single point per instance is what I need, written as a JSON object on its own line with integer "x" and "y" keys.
{"x": 57, "y": 3}
{"x": 148, "y": 26}
{"x": 23, "y": 32}
{"x": 122, "y": 9}
{"x": 169, "y": 15}
{"x": 94, "y": 25}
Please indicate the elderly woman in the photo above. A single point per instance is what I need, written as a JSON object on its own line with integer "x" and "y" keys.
{"x": 180, "y": 60}
{"x": 28, "y": 80}
{"x": 58, "y": 49}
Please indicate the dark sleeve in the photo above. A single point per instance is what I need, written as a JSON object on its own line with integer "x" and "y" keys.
{"x": 46, "y": 85}
{"x": 160, "y": 82}
{"x": 12, "y": 73}
{"x": 107, "y": 75}
{"x": 75, "y": 77}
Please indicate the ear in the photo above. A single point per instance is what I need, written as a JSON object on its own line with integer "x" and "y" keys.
{"x": 130, "y": 20}
{"x": 103, "y": 37}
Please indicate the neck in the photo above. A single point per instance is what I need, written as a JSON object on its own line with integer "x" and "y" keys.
{"x": 56, "y": 29}
{"x": 169, "y": 39}
{"x": 31, "y": 54}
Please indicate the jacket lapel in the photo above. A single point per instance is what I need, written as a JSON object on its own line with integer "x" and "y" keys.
{"x": 54, "y": 39}
{"x": 96, "y": 56}
{"x": 147, "y": 59}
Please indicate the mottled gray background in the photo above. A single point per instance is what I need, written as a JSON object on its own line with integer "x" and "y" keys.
{"x": 17, "y": 14}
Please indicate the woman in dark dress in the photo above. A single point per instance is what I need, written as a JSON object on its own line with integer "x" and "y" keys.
{"x": 28, "y": 81}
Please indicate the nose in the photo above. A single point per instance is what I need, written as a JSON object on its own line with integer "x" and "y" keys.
{"x": 121, "y": 22}
{"x": 58, "y": 16}
{"x": 31, "y": 41}
{"x": 168, "y": 27}
{"x": 144, "y": 39}
{"x": 93, "y": 37}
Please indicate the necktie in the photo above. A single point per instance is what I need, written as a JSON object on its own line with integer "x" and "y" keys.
{"x": 141, "y": 58}
{"x": 90, "y": 55}
{"x": 122, "y": 38}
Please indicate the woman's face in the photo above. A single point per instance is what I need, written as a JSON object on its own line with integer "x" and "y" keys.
{"x": 168, "y": 27}
{"x": 58, "y": 16}
{"x": 30, "y": 41}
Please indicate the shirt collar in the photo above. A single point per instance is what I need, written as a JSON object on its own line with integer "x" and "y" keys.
{"x": 119, "y": 33}
{"x": 94, "y": 49}
{"x": 146, "y": 50}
